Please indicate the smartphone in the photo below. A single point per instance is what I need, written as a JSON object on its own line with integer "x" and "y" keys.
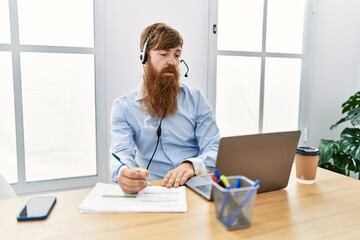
{"x": 37, "y": 208}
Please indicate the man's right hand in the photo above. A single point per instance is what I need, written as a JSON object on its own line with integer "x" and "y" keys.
{"x": 133, "y": 180}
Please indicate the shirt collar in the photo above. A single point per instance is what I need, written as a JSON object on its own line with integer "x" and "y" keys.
{"x": 139, "y": 92}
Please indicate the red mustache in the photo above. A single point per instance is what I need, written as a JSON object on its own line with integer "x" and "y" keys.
{"x": 169, "y": 69}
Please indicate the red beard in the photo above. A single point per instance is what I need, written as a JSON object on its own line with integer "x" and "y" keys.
{"x": 161, "y": 91}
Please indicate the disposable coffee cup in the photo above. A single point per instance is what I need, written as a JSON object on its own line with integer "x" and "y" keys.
{"x": 306, "y": 159}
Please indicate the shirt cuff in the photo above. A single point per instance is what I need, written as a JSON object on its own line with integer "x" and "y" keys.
{"x": 199, "y": 165}
{"x": 117, "y": 173}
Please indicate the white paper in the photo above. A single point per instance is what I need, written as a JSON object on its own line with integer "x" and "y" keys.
{"x": 110, "y": 198}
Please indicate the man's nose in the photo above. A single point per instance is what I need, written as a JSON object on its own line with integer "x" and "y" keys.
{"x": 171, "y": 61}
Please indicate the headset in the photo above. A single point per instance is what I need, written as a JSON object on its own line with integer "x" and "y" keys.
{"x": 143, "y": 55}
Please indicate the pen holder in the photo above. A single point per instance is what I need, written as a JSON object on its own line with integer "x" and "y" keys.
{"x": 234, "y": 206}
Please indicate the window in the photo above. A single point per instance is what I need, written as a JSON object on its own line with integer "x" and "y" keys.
{"x": 259, "y": 64}
{"x": 8, "y": 164}
{"x": 49, "y": 90}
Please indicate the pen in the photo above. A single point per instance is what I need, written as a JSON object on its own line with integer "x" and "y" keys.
{"x": 217, "y": 174}
{"x": 224, "y": 180}
{"x": 214, "y": 178}
{"x": 246, "y": 199}
{"x": 117, "y": 158}
{"x": 225, "y": 201}
{"x": 227, "y": 185}
{"x": 237, "y": 183}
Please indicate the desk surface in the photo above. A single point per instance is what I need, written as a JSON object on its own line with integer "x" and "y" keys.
{"x": 328, "y": 209}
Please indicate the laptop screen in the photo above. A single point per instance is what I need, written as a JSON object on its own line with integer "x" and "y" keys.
{"x": 267, "y": 157}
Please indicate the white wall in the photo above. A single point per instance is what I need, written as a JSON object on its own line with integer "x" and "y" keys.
{"x": 334, "y": 72}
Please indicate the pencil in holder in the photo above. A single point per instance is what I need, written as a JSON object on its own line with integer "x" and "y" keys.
{"x": 234, "y": 206}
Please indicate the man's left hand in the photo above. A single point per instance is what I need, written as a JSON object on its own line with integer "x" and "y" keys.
{"x": 179, "y": 175}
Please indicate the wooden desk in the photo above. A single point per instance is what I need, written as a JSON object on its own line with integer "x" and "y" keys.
{"x": 328, "y": 209}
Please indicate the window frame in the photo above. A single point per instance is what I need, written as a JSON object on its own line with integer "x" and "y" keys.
{"x": 214, "y": 53}
{"x": 15, "y": 48}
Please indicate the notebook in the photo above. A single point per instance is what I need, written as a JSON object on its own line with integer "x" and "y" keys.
{"x": 266, "y": 156}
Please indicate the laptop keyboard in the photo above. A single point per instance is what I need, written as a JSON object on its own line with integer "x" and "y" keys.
{"x": 205, "y": 188}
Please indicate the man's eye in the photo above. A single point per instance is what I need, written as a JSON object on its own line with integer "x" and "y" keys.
{"x": 163, "y": 53}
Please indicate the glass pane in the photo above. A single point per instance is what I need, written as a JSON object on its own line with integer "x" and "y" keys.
{"x": 56, "y": 22}
{"x": 4, "y": 22}
{"x": 59, "y": 115}
{"x": 240, "y": 25}
{"x": 282, "y": 93}
{"x": 8, "y": 160}
{"x": 285, "y": 23}
{"x": 237, "y": 95}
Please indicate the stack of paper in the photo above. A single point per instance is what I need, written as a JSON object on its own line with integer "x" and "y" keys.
{"x": 109, "y": 198}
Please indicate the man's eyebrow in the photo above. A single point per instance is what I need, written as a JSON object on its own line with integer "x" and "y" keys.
{"x": 167, "y": 50}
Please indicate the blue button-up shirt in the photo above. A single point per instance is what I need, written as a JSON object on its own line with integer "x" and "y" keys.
{"x": 191, "y": 134}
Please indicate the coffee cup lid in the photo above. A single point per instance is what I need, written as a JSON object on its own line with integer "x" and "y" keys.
{"x": 308, "y": 151}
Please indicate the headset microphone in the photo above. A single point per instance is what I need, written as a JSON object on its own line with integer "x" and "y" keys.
{"x": 187, "y": 67}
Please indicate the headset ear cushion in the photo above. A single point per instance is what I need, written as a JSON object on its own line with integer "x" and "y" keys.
{"x": 143, "y": 57}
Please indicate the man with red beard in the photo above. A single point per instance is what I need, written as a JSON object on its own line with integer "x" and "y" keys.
{"x": 163, "y": 129}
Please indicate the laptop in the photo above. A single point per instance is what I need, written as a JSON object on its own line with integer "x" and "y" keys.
{"x": 266, "y": 156}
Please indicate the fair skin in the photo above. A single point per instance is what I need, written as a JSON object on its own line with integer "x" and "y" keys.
{"x": 134, "y": 180}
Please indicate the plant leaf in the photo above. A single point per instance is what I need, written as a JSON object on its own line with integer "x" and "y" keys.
{"x": 351, "y": 165}
{"x": 351, "y": 103}
{"x": 354, "y": 115}
{"x": 333, "y": 168}
{"x": 328, "y": 148}
{"x": 341, "y": 161}
{"x": 338, "y": 122}
{"x": 357, "y": 162}
{"x": 350, "y": 142}
{"x": 352, "y": 110}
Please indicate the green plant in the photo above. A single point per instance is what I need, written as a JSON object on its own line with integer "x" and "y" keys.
{"x": 344, "y": 153}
